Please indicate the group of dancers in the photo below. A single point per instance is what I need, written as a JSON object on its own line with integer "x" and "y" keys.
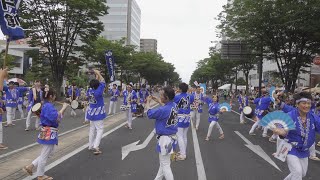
{"x": 177, "y": 110}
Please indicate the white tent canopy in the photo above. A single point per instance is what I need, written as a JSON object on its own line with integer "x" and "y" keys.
{"x": 225, "y": 86}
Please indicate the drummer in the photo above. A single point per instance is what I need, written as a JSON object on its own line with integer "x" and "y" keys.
{"x": 73, "y": 93}
{"x": 243, "y": 102}
{"x": 35, "y": 96}
{"x": 21, "y": 91}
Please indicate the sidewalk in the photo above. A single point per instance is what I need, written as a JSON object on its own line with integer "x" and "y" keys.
{"x": 11, "y": 167}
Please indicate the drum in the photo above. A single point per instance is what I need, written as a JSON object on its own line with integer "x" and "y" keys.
{"x": 36, "y": 109}
{"x": 123, "y": 107}
{"x": 77, "y": 105}
{"x": 248, "y": 112}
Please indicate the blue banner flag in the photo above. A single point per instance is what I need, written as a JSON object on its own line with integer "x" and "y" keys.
{"x": 9, "y": 19}
{"x": 110, "y": 65}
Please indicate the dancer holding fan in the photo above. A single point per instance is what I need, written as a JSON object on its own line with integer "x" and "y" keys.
{"x": 302, "y": 137}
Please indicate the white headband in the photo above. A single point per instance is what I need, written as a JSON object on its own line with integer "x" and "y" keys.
{"x": 303, "y": 99}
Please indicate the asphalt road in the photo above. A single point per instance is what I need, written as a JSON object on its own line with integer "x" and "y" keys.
{"x": 15, "y": 137}
{"x": 227, "y": 159}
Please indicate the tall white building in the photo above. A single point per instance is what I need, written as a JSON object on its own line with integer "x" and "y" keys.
{"x": 122, "y": 21}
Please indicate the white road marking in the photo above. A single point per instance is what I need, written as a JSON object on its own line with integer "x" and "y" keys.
{"x": 125, "y": 150}
{"x": 258, "y": 150}
{"x": 69, "y": 155}
{"x": 199, "y": 163}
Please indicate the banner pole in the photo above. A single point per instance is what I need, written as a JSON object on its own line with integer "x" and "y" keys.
{"x": 6, "y": 52}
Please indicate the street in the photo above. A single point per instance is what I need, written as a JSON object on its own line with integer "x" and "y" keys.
{"x": 230, "y": 158}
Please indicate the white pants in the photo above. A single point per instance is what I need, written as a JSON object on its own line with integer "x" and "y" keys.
{"x": 85, "y": 114}
{"x": 241, "y": 117}
{"x": 28, "y": 120}
{"x": 73, "y": 112}
{"x": 10, "y": 114}
{"x": 254, "y": 126}
{"x": 113, "y": 106}
{"x": 265, "y": 132}
{"x": 1, "y": 133}
{"x": 182, "y": 140}
{"x": 164, "y": 168}
{"x": 40, "y": 162}
{"x": 21, "y": 111}
{"x": 312, "y": 150}
{"x": 211, "y": 126}
{"x": 298, "y": 167}
{"x": 129, "y": 117}
{"x": 195, "y": 116}
{"x": 95, "y": 134}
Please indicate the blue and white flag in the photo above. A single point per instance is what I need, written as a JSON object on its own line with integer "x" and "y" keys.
{"x": 9, "y": 19}
{"x": 110, "y": 65}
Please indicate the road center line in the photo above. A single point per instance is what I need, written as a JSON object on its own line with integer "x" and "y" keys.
{"x": 197, "y": 154}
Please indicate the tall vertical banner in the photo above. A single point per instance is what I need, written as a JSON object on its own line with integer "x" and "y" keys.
{"x": 203, "y": 86}
{"x": 9, "y": 19}
{"x": 110, "y": 65}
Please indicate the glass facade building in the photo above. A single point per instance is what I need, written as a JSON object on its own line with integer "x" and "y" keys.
{"x": 123, "y": 21}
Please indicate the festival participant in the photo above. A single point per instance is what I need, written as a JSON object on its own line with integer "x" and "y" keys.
{"x": 114, "y": 92}
{"x": 183, "y": 101}
{"x": 243, "y": 102}
{"x": 130, "y": 100}
{"x": 73, "y": 94}
{"x": 166, "y": 128}
{"x": 48, "y": 136}
{"x": 213, "y": 118}
{"x": 35, "y": 96}
{"x": 21, "y": 91}
{"x": 262, "y": 106}
{"x": 142, "y": 97}
{"x": 197, "y": 104}
{"x": 96, "y": 112}
{"x": 302, "y": 137}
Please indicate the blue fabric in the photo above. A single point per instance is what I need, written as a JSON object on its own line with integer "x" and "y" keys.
{"x": 49, "y": 118}
{"x": 143, "y": 94}
{"x": 96, "y": 110}
{"x": 1, "y": 105}
{"x": 126, "y": 94}
{"x": 262, "y": 105}
{"x": 76, "y": 92}
{"x": 32, "y": 101}
{"x": 12, "y": 96}
{"x": 213, "y": 111}
{"x": 114, "y": 94}
{"x": 9, "y": 20}
{"x": 21, "y": 91}
{"x": 110, "y": 65}
{"x": 165, "y": 118}
{"x": 183, "y": 101}
{"x": 241, "y": 103}
{"x": 303, "y": 138}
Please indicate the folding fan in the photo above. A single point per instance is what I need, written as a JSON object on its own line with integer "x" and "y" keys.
{"x": 225, "y": 106}
{"x": 272, "y": 91}
{"x": 277, "y": 119}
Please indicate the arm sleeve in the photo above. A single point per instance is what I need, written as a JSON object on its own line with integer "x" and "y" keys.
{"x": 286, "y": 108}
{"x": 154, "y": 113}
{"x": 100, "y": 89}
{"x": 317, "y": 123}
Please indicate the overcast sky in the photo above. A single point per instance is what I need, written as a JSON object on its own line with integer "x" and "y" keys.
{"x": 184, "y": 30}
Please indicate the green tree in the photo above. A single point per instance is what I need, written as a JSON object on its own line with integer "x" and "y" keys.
{"x": 61, "y": 27}
{"x": 286, "y": 31}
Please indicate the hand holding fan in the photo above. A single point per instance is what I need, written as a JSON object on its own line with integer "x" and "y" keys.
{"x": 225, "y": 107}
{"x": 277, "y": 119}
{"x": 272, "y": 92}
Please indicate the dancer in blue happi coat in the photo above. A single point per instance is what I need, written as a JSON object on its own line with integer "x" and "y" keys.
{"x": 214, "y": 113}
{"x": 262, "y": 107}
{"x": 50, "y": 118}
{"x": 243, "y": 102}
{"x": 130, "y": 100}
{"x": 96, "y": 112}
{"x": 197, "y": 105}
{"x": 115, "y": 93}
{"x": 166, "y": 128}
{"x": 35, "y": 96}
{"x": 302, "y": 137}
{"x": 183, "y": 101}
{"x": 21, "y": 91}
